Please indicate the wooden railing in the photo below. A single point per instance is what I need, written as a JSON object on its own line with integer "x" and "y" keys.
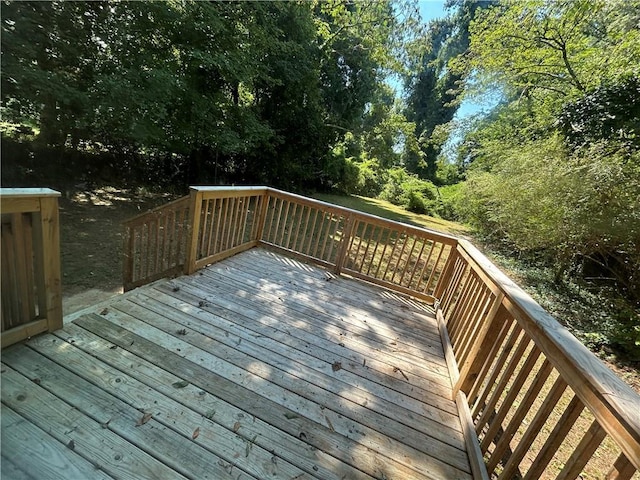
{"x": 31, "y": 288}
{"x": 537, "y": 401}
{"x": 532, "y": 388}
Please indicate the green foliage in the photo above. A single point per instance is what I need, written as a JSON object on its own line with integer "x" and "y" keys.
{"x": 542, "y": 198}
{"x": 609, "y": 113}
{"x": 408, "y": 190}
{"x": 434, "y": 89}
{"x": 449, "y": 201}
{"x": 240, "y": 91}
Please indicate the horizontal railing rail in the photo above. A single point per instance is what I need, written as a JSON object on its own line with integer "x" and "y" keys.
{"x": 30, "y": 264}
{"x": 535, "y": 397}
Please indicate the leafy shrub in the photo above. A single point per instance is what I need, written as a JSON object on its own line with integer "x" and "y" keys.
{"x": 409, "y": 191}
{"x": 449, "y": 201}
{"x": 540, "y": 197}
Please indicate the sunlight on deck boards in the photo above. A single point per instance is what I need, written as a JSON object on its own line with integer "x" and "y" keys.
{"x": 258, "y": 366}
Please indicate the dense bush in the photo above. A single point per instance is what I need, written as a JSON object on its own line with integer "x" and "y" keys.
{"x": 577, "y": 208}
{"x": 409, "y": 191}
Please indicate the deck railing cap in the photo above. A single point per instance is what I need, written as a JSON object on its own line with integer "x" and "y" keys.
{"x": 28, "y": 192}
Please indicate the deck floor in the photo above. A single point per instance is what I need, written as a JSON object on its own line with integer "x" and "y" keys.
{"x": 258, "y": 366}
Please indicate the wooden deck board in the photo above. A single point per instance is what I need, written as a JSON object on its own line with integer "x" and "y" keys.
{"x": 259, "y": 366}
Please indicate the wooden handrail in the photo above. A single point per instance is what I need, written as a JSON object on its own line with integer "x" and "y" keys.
{"x": 612, "y": 402}
{"x": 31, "y": 277}
{"x": 489, "y": 321}
{"x": 475, "y": 317}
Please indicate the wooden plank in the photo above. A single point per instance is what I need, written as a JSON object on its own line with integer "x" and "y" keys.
{"x": 302, "y": 382}
{"x": 10, "y": 293}
{"x": 449, "y": 356}
{"x": 417, "y": 320}
{"x": 209, "y": 192}
{"x": 20, "y": 205}
{"x": 399, "y": 460}
{"x": 98, "y": 445}
{"x": 307, "y": 367}
{"x": 343, "y": 309}
{"x": 476, "y": 458}
{"x": 23, "y": 265}
{"x": 8, "y": 469}
{"x": 350, "y": 324}
{"x": 142, "y": 218}
{"x": 119, "y": 402}
{"x": 45, "y": 458}
{"x": 224, "y": 254}
{"x": 217, "y": 406}
{"x": 378, "y": 367}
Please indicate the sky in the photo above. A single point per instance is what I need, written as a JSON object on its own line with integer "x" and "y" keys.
{"x": 431, "y": 9}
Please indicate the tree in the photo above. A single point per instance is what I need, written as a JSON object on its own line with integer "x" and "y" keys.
{"x": 434, "y": 89}
{"x": 555, "y": 168}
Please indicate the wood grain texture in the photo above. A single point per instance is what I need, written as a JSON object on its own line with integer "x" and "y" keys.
{"x": 335, "y": 380}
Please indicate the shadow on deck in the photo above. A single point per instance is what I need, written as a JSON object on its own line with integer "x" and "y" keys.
{"x": 258, "y": 366}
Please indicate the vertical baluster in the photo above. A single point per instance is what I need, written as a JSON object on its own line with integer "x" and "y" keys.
{"x": 434, "y": 269}
{"x": 515, "y": 334}
{"x": 375, "y": 250}
{"x": 583, "y": 452}
{"x": 400, "y": 259}
{"x": 495, "y": 423}
{"x": 516, "y": 421}
{"x": 622, "y": 469}
{"x": 285, "y": 219}
{"x": 408, "y": 261}
{"x": 555, "y": 439}
{"x": 472, "y": 381}
{"x": 423, "y": 243}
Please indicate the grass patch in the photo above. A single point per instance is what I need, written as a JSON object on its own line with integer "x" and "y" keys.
{"x": 385, "y": 209}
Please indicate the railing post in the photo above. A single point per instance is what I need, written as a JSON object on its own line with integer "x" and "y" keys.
{"x": 127, "y": 260}
{"x": 48, "y": 253}
{"x": 195, "y": 212}
{"x": 344, "y": 243}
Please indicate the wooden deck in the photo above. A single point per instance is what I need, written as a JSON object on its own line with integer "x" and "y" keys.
{"x": 256, "y": 367}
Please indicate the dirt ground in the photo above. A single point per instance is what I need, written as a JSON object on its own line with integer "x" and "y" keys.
{"x": 91, "y": 241}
